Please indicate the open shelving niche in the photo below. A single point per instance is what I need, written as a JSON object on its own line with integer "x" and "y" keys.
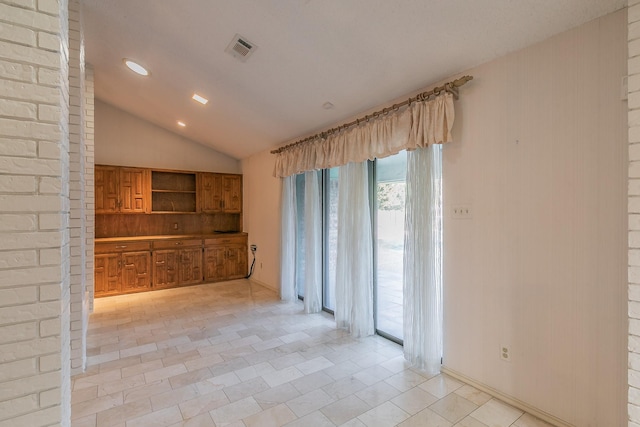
{"x": 173, "y": 192}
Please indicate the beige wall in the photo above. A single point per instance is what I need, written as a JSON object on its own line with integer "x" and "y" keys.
{"x": 540, "y": 157}
{"x": 262, "y": 216}
{"x": 126, "y": 140}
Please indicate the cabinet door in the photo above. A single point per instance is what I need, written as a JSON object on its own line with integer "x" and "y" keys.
{"x": 232, "y": 185}
{"x": 236, "y": 264}
{"x": 106, "y": 277}
{"x": 190, "y": 266}
{"x": 165, "y": 268}
{"x": 134, "y": 190}
{"x": 107, "y": 196}
{"x": 210, "y": 192}
{"x": 136, "y": 271}
{"x": 214, "y": 259}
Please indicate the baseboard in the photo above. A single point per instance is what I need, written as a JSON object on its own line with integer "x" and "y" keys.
{"x": 507, "y": 399}
{"x": 264, "y": 285}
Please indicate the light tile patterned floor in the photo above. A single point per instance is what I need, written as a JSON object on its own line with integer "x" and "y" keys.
{"x": 231, "y": 354}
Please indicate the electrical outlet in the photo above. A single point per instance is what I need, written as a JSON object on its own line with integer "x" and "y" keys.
{"x": 505, "y": 353}
{"x": 253, "y": 248}
{"x": 175, "y": 225}
{"x": 461, "y": 212}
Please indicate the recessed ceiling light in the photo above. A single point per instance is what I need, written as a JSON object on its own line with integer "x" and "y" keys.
{"x": 181, "y": 124}
{"x": 202, "y": 100}
{"x": 135, "y": 67}
{"x": 327, "y": 106}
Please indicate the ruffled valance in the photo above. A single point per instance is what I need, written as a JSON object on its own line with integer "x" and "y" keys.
{"x": 418, "y": 125}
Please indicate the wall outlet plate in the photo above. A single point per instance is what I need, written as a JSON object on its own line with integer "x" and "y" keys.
{"x": 505, "y": 353}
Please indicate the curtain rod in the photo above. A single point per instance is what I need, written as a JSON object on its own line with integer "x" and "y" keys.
{"x": 451, "y": 87}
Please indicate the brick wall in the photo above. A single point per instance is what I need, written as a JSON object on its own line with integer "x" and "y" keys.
{"x": 633, "y": 64}
{"x": 77, "y": 218}
{"x": 34, "y": 214}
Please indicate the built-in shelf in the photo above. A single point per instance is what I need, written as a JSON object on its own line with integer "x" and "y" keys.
{"x": 173, "y": 192}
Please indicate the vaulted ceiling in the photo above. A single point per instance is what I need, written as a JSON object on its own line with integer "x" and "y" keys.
{"x": 355, "y": 54}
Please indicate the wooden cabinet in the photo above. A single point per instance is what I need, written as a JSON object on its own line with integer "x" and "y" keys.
{"x": 220, "y": 193}
{"x": 122, "y": 268}
{"x": 177, "y": 262}
{"x": 225, "y": 258}
{"x": 121, "y": 189}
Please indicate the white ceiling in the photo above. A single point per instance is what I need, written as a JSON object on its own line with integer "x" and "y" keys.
{"x": 356, "y": 54}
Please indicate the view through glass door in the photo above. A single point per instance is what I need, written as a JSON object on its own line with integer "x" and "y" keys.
{"x": 390, "y": 187}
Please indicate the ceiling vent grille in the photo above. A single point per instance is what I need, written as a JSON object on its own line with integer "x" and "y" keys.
{"x": 241, "y": 48}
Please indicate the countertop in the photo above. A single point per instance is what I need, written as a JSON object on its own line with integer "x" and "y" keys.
{"x": 168, "y": 237}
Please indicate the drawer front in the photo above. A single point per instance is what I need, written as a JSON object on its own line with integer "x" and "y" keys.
{"x": 102, "y": 248}
{"x": 171, "y": 244}
{"x": 241, "y": 240}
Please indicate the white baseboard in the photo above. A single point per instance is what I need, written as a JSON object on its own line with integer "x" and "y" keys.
{"x": 507, "y": 399}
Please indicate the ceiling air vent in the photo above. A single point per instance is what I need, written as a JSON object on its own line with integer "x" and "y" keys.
{"x": 240, "y": 48}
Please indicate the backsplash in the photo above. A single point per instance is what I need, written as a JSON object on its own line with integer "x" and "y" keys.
{"x": 128, "y": 225}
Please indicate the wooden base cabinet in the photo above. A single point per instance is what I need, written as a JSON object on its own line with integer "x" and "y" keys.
{"x": 177, "y": 262}
{"x": 225, "y": 258}
{"x": 122, "y": 268}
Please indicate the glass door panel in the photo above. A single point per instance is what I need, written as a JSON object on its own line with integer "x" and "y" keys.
{"x": 330, "y": 236}
{"x": 390, "y": 188}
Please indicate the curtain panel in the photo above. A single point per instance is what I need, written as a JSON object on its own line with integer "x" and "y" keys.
{"x": 418, "y": 125}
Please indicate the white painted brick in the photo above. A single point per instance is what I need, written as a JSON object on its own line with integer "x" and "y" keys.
{"x": 17, "y": 184}
{"x": 633, "y": 13}
{"x": 29, "y": 129}
{"x": 17, "y": 147}
{"x": 9, "y": 222}
{"x": 50, "y": 397}
{"x": 634, "y": 187}
{"x": 50, "y": 256}
{"x": 18, "y": 109}
{"x": 29, "y": 385}
{"x": 50, "y": 185}
{"x": 634, "y": 135}
{"x": 17, "y": 259}
{"x": 30, "y": 91}
{"x": 28, "y": 55}
{"x": 18, "y": 332}
{"x": 634, "y": 48}
{"x": 29, "y": 166}
{"x": 29, "y": 312}
{"x": 17, "y": 369}
{"x": 30, "y": 19}
{"x": 31, "y": 276}
{"x": 16, "y": 296}
{"x": 17, "y": 34}
{"x": 49, "y": 41}
{"x": 50, "y": 327}
{"x": 50, "y": 292}
{"x": 19, "y": 406}
{"x": 633, "y": 410}
{"x": 49, "y": 113}
{"x": 49, "y": 6}
{"x": 50, "y": 363}
{"x": 51, "y": 221}
{"x": 634, "y": 222}
{"x": 17, "y": 71}
{"x": 26, "y": 4}
{"x": 30, "y": 203}
{"x": 37, "y": 240}
{"x": 634, "y": 169}
{"x": 44, "y": 417}
{"x": 16, "y": 349}
{"x": 49, "y": 150}
{"x": 634, "y": 327}
{"x": 634, "y": 309}
{"x": 48, "y": 76}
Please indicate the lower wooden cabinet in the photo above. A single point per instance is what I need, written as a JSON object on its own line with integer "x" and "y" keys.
{"x": 225, "y": 258}
{"x": 166, "y": 263}
{"x": 122, "y": 268}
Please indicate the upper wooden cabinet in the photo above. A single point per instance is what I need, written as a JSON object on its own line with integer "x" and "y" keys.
{"x": 121, "y": 190}
{"x": 220, "y": 193}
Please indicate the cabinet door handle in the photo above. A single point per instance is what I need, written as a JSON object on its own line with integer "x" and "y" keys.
{"x": 178, "y": 243}
{"x": 121, "y": 246}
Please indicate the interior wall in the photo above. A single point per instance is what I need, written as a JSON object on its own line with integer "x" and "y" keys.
{"x": 123, "y": 139}
{"x": 540, "y": 157}
{"x": 262, "y": 217}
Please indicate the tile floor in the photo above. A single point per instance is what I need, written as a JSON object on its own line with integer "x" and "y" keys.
{"x": 231, "y": 354}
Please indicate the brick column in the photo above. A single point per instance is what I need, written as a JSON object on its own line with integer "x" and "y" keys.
{"x": 634, "y": 212}
{"x": 34, "y": 214}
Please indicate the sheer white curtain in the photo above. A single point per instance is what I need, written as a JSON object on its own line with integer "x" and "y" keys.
{"x": 423, "y": 259}
{"x": 288, "y": 240}
{"x": 354, "y": 268}
{"x": 313, "y": 243}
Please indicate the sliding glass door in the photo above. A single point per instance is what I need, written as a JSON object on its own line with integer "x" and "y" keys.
{"x": 390, "y": 189}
